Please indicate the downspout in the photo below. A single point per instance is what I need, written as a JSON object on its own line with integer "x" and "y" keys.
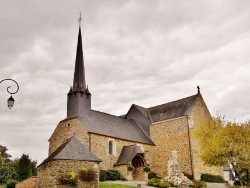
{"x": 190, "y": 149}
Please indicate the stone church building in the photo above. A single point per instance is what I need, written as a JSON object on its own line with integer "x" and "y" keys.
{"x": 144, "y": 136}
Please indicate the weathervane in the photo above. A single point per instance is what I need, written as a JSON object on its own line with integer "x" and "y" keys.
{"x": 80, "y": 19}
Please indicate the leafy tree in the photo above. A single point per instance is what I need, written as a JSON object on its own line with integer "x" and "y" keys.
{"x": 6, "y": 168}
{"x": 17, "y": 169}
{"x": 26, "y": 167}
{"x": 223, "y": 143}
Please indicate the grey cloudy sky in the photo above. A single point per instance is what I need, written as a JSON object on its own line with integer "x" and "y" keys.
{"x": 145, "y": 52}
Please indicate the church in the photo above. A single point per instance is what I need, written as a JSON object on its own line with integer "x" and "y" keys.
{"x": 144, "y": 136}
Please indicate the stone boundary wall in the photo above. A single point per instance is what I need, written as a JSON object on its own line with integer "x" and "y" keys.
{"x": 27, "y": 183}
{"x": 50, "y": 173}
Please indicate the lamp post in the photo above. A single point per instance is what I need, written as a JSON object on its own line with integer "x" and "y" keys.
{"x": 11, "y": 100}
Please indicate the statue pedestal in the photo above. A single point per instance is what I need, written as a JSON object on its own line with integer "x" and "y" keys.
{"x": 178, "y": 178}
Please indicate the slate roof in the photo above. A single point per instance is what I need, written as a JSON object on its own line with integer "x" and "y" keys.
{"x": 79, "y": 82}
{"x": 173, "y": 109}
{"x": 72, "y": 149}
{"x": 113, "y": 126}
{"x": 127, "y": 154}
{"x": 143, "y": 110}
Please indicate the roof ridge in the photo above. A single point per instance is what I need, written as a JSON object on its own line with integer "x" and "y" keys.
{"x": 106, "y": 114}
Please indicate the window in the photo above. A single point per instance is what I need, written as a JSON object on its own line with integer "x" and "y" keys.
{"x": 110, "y": 148}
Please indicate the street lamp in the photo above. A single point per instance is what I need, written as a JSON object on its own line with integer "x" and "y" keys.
{"x": 10, "y": 101}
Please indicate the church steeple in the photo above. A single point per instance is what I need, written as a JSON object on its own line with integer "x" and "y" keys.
{"x": 79, "y": 83}
{"x": 79, "y": 97}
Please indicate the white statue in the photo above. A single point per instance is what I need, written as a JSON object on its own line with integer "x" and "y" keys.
{"x": 173, "y": 165}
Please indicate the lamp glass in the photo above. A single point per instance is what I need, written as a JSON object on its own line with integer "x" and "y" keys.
{"x": 10, "y": 102}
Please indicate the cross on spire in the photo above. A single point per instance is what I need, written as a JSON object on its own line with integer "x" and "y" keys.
{"x": 80, "y": 19}
{"x": 198, "y": 87}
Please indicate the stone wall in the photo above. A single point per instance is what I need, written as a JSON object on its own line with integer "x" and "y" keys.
{"x": 50, "y": 173}
{"x": 139, "y": 174}
{"x": 66, "y": 129}
{"x": 27, "y": 183}
{"x": 99, "y": 146}
{"x": 170, "y": 135}
{"x": 199, "y": 114}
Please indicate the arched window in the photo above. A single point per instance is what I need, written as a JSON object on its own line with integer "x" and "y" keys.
{"x": 110, "y": 147}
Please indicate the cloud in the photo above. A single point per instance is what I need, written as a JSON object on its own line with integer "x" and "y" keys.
{"x": 142, "y": 52}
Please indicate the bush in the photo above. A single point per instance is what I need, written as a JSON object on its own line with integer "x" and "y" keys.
{"x": 69, "y": 178}
{"x": 113, "y": 175}
{"x": 103, "y": 175}
{"x": 147, "y": 169}
{"x": 152, "y": 175}
{"x": 198, "y": 184}
{"x": 237, "y": 182}
{"x": 212, "y": 178}
{"x": 130, "y": 167}
{"x": 154, "y": 182}
{"x": 164, "y": 184}
{"x": 11, "y": 183}
{"x": 87, "y": 175}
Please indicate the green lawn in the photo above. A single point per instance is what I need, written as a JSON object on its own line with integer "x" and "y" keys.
{"x": 103, "y": 185}
{"x": 112, "y": 185}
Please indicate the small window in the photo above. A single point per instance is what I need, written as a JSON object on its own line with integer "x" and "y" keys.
{"x": 110, "y": 148}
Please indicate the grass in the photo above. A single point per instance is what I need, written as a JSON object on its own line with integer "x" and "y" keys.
{"x": 113, "y": 185}
{"x": 103, "y": 185}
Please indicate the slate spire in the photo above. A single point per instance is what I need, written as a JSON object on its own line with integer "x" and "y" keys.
{"x": 79, "y": 97}
{"x": 79, "y": 83}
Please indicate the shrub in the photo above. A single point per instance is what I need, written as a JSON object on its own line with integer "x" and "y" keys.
{"x": 164, "y": 184}
{"x": 147, "y": 169}
{"x": 152, "y": 175}
{"x": 154, "y": 182}
{"x": 87, "y": 175}
{"x": 103, "y": 175}
{"x": 69, "y": 178}
{"x": 11, "y": 183}
{"x": 198, "y": 184}
{"x": 113, "y": 175}
{"x": 212, "y": 178}
{"x": 237, "y": 182}
{"x": 130, "y": 167}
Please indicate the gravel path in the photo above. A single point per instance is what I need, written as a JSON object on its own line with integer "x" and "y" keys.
{"x": 134, "y": 183}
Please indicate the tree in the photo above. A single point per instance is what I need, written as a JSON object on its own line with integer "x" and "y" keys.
{"x": 223, "y": 143}
{"x": 6, "y": 169}
{"x": 26, "y": 167}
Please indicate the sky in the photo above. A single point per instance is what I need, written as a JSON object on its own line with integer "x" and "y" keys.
{"x": 140, "y": 52}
